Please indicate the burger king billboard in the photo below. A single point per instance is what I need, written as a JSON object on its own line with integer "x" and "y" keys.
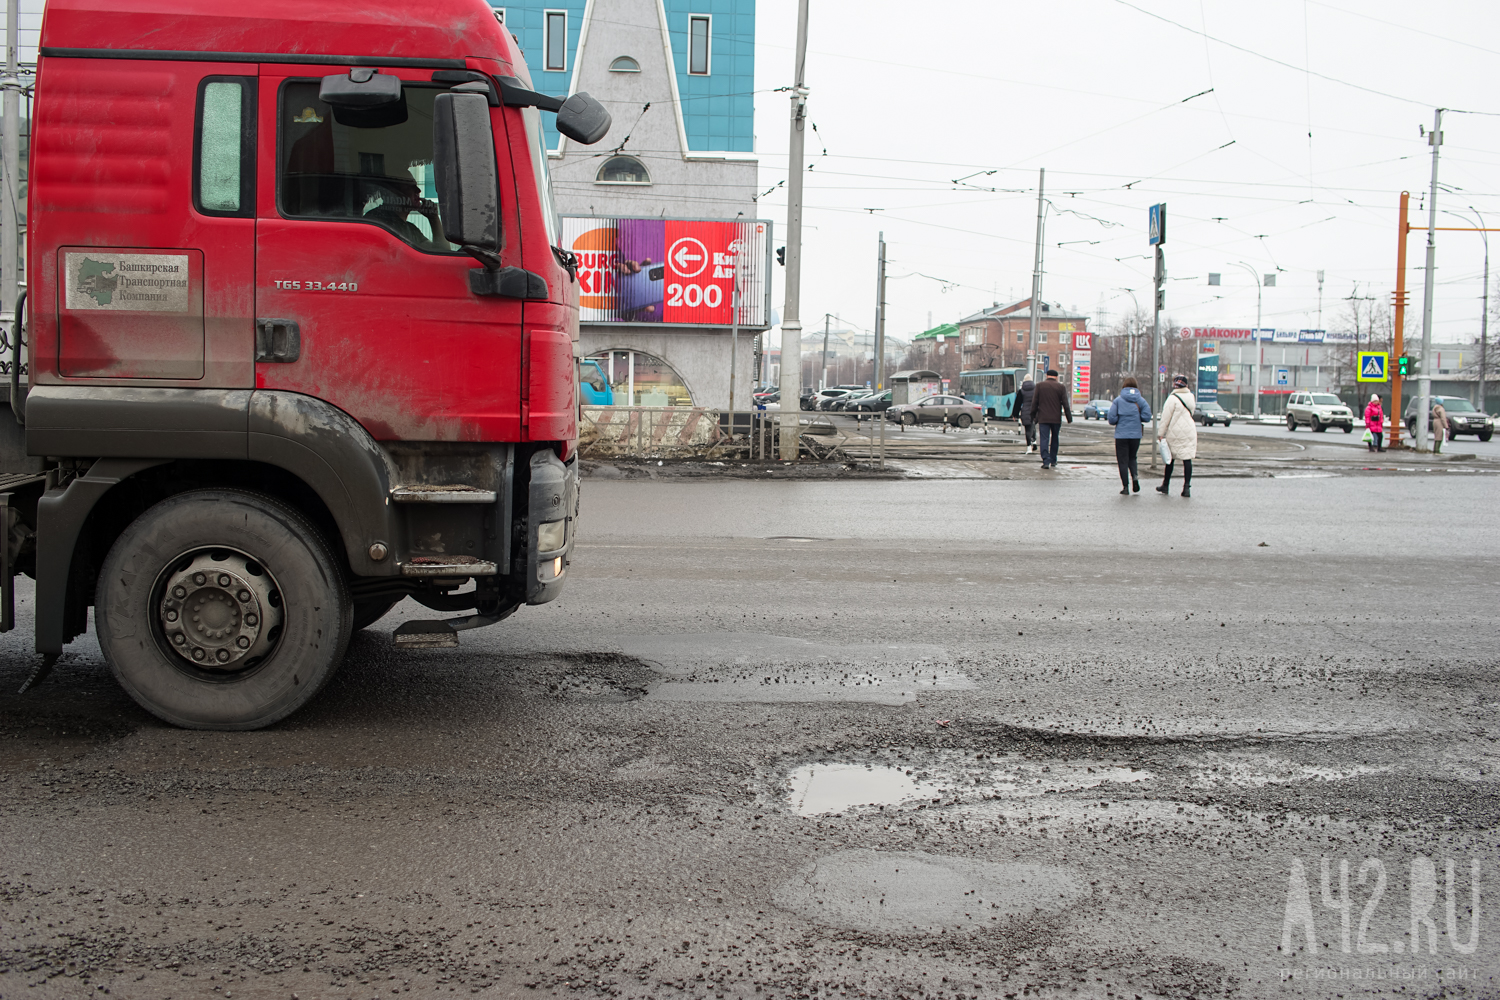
{"x": 674, "y": 272}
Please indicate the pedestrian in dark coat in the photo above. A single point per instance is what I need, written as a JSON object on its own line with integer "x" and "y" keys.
{"x": 1049, "y": 404}
{"x": 1129, "y": 414}
{"x": 1023, "y": 410}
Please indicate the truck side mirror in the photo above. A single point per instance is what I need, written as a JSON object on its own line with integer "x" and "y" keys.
{"x": 583, "y": 119}
{"x": 580, "y": 117}
{"x": 463, "y": 155}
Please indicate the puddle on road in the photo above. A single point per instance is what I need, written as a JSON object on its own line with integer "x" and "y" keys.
{"x": 820, "y": 789}
{"x": 827, "y": 788}
{"x": 757, "y": 667}
{"x": 928, "y": 893}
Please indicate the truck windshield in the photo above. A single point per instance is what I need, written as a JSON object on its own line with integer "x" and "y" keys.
{"x": 371, "y": 165}
{"x": 1457, "y": 405}
{"x": 1325, "y": 399}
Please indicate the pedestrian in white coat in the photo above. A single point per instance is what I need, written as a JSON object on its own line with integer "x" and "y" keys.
{"x": 1180, "y": 433}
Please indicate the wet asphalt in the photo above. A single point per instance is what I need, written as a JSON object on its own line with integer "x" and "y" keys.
{"x": 950, "y": 738}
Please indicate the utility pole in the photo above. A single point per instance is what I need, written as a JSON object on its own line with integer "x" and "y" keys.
{"x": 825, "y": 351}
{"x": 10, "y": 149}
{"x": 880, "y": 340}
{"x": 1484, "y": 317}
{"x": 880, "y": 317}
{"x": 791, "y": 323}
{"x": 1036, "y": 273}
{"x": 1424, "y": 376}
{"x": 1320, "y": 306}
{"x": 1398, "y": 299}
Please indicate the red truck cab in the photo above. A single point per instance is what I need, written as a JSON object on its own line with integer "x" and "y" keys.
{"x": 301, "y": 342}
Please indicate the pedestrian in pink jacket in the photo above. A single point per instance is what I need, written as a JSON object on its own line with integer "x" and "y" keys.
{"x": 1375, "y": 423}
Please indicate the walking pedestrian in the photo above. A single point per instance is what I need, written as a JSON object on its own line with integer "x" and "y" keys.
{"x": 1023, "y": 410}
{"x": 1129, "y": 414}
{"x": 1180, "y": 433}
{"x": 1049, "y": 404}
{"x": 1375, "y": 422}
{"x": 1439, "y": 427}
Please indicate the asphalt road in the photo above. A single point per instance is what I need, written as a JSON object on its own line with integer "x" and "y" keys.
{"x": 897, "y": 739}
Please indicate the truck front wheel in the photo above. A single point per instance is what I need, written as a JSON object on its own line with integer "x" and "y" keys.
{"x": 222, "y": 609}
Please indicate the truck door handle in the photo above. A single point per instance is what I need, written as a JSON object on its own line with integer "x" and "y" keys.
{"x": 277, "y": 341}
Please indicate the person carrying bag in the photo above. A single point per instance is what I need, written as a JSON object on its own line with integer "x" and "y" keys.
{"x": 1179, "y": 435}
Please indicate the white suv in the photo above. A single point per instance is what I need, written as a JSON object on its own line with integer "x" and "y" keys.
{"x": 1318, "y": 410}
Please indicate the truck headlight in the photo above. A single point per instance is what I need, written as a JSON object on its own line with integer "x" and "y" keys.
{"x": 551, "y": 536}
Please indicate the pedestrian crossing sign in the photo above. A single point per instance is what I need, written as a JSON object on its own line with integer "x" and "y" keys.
{"x": 1374, "y": 366}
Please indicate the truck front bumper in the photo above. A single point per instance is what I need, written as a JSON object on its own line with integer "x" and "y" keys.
{"x": 551, "y": 519}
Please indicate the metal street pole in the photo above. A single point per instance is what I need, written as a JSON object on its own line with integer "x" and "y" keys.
{"x": 1156, "y": 373}
{"x": 10, "y": 149}
{"x": 825, "y": 350}
{"x": 1424, "y": 376}
{"x": 1036, "y": 272}
{"x": 791, "y": 323}
{"x": 880, "y": 340}
{"x": 1484, "y": 316}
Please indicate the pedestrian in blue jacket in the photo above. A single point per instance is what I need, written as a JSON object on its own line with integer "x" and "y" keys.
{"x": 1129, "y": 414}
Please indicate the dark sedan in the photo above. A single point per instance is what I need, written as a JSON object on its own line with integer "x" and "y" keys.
{"x": 1209, "y": 414}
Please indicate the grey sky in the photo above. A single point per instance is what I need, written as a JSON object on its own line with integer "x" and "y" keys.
{"x": 907, "y": 98}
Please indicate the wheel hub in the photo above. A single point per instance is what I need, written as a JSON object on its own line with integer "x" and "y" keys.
{"x": 220, "y": 610}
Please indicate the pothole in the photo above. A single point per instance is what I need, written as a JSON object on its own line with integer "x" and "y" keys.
{"x": 756, "y": 667}
{"x": 825, "y": 788}
{"x": 927, "y": 893}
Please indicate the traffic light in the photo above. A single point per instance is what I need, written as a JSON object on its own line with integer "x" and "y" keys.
{"x": 781, "y": 256}
{"x": 1403, "y": 366}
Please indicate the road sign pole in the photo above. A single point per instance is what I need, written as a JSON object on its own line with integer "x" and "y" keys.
{"x": 1156, "y": 372}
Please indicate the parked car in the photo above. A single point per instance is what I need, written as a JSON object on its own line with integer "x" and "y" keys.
{"x": 1209, "y": 414}
{"x": 873, "y": 403}
{"x": 935, "y": 410}
{"x": 805, "y": 400}
{"x": 1096, "y": 409}
{"x": 1318, "y": 410}
{"x": 842, "y": 404}
{"x": 823, "y": 397}
{"x": 1462, "y": 418}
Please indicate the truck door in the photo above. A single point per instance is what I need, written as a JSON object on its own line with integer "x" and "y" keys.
{"x": 360, "y": 300}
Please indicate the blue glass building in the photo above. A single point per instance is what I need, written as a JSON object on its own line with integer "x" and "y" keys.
{"x": 712, "y": 44}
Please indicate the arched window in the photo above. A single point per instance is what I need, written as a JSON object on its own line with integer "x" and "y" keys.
{"x": 624, "y": 64}
{"x": 638, "y": 379}
{"x": 623, "y": 170}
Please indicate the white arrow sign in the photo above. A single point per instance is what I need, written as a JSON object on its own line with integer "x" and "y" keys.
{"x": 683, "y": 261}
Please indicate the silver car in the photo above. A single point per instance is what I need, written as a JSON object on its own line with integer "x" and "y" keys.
{"x": 935, "y": 410}
{"x": 1318, "y": 410}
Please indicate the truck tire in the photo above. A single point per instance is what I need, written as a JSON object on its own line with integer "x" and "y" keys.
{"x": 273, "y": 614}
{"x": 367, "y": 613}
{"x": 1291, "y": 422}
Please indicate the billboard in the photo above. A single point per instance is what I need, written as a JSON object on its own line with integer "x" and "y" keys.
{"x": 1272, "y": 336}
{"x": 673, "y": 272}
{"x": 1208, "y": 378}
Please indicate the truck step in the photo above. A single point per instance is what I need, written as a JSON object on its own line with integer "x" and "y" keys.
{"x": 448, "y": 566}
{"x": 422, "y": 493}
{"x": 425, "y": 635}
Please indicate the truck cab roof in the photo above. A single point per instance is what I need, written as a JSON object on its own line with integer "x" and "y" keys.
{"x": 431, "y": 33}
